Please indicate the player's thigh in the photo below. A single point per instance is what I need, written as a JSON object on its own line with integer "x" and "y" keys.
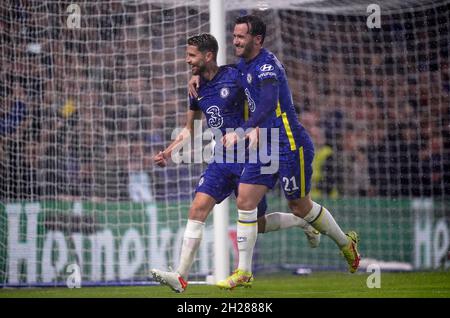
{"x": 201, "y": 206}
{"x": 252, "y": 186}
{"x": 253, "y": 174}
{"x": 295, "y": 172}
{"x": 218, "y": 181}
{"x": 250, "y": 195}
{"x": 262, "y": 205}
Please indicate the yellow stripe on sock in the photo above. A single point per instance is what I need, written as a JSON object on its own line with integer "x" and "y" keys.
{"x": 319, "y": 217}
{"x": 248, "y": 224}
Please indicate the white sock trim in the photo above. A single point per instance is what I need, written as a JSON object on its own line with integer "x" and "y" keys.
{"x": 314, "y": 213}
{"x": 194, "y": 229}
{"x": 247, "y": 217}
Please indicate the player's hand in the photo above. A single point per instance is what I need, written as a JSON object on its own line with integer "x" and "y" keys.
{"x": 193, "y": 85}
{"x": 160, "y": 159}
{"x": 230, "y": 139}
{"x": 253, "y": 138}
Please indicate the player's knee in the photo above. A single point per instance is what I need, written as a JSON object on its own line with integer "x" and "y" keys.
{"x": 245, "y": 203}
{"x": 300, "y": 207}
{"x": 198, "y": 213}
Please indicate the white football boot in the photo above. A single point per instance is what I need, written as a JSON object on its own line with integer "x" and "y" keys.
{"x": 313, "y": 236}
{"x": 171, "y": 279}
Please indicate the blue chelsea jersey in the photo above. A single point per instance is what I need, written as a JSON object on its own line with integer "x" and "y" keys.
{"x": 251, "y": 75}
{"x": 221, "y": 100}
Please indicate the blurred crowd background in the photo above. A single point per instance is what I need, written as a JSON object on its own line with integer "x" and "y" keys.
{"x": 83, "y": 110}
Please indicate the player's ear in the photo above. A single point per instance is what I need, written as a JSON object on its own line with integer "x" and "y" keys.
{"x": 258, "y": 39}
{"x": 209, "y": 56}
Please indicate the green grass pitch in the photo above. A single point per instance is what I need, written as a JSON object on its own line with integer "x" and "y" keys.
{"x": 319, "y": 284}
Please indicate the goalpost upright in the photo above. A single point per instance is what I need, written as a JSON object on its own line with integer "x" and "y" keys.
{"x": 221, "y": 217}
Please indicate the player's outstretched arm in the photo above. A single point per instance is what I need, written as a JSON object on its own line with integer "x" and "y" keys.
{"x": 162, "y": 157}
{"x": 159, "y": 159}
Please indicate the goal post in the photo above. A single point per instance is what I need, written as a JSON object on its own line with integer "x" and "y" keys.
{"x": 221, "y": 211}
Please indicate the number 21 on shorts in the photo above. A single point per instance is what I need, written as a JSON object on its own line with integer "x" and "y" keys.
{"x": 290, "y": 184}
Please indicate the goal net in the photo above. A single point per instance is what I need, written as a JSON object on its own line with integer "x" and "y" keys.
{"x": 371, "y": 85}
{"x": 90, "y": 91}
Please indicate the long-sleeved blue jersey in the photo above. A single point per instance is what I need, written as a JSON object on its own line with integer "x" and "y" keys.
{"x": 270, "y": 100}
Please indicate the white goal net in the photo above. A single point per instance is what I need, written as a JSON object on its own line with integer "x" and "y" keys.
{"x": 370, "y": 81}
{"x": 89, "y": 91}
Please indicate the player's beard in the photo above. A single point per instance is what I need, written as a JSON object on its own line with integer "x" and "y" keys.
{"x": 198, "y": 69}
{"x": 245, "y": 51}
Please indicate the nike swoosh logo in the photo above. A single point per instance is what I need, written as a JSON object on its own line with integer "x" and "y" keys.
{"x": 200, "y": 98}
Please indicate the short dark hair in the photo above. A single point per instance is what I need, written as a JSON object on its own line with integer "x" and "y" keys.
{"x": 205, "y": 42}
{"x": 255, "y": 24}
